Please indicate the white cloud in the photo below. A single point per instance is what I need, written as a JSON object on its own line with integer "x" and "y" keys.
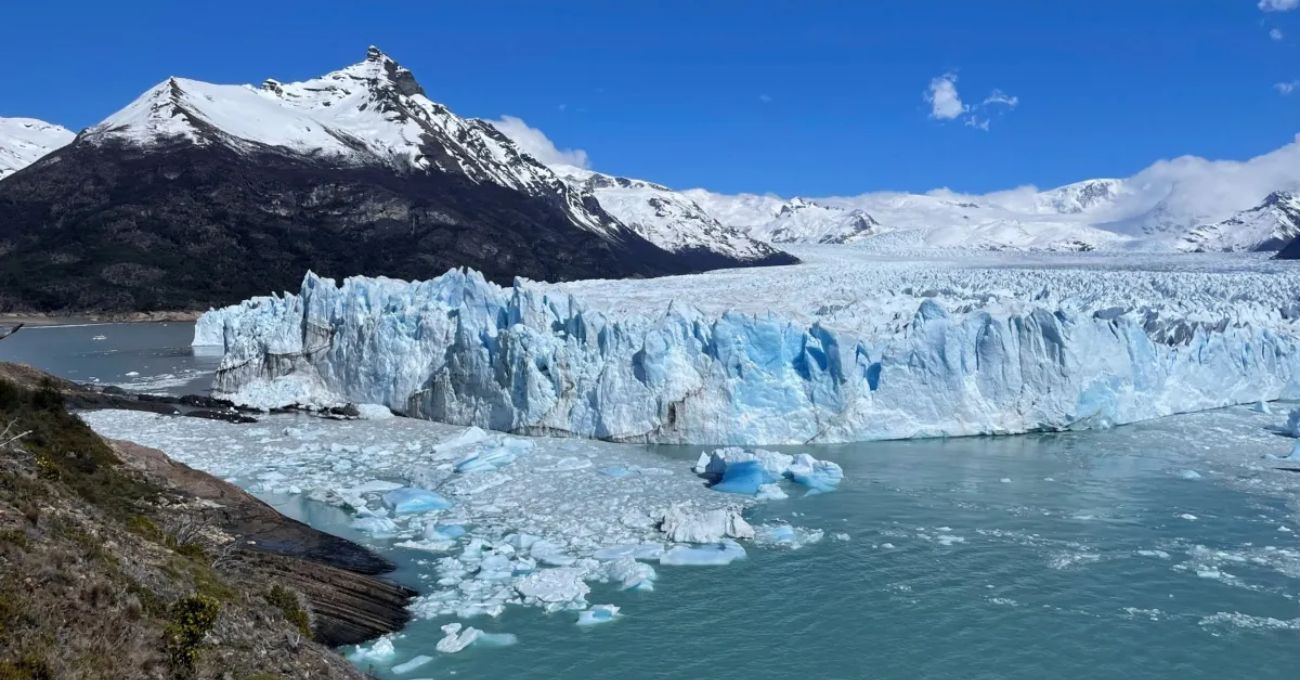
{"x": 1278, "y": 5}
{"x": 1286, "y": 88}
{"x": 945, "y": 103}
{"x": 1000, "y": 97}
{"x": 765, "y": 98}
{"x": 1276, "y": 34}
{"x": 535, "y": 143}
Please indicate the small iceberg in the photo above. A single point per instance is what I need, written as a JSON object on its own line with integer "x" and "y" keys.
{"x": 408, "y": 666}
{"x": 408, "y": 500}
{"x": 598, "y": 614}
{"x": 717, "y": 554}
{"x": 755, "y": 473}
{"x": 458, "y": 637}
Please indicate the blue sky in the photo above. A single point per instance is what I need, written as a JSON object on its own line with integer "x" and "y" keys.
{"x": 812, "y": 98}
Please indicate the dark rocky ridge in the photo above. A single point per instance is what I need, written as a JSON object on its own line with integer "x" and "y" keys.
{"x": 115, "y": 227}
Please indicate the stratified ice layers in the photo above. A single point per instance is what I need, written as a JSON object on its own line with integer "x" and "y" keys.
{"x": 846, "y": 350}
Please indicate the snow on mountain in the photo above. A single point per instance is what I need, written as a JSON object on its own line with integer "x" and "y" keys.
{"x": 938, "y": 219}
{"x": 1267, "y": 226}
{"x": 839, "y": 349}
{"x": 370, "y": 113}
{"x": 1080, "y": 197}
{"x": 24, "y": 140}
{"x": 665, "y": 217}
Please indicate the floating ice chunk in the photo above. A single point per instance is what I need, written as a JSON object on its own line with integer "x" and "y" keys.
{"x": 632, "y": 575}
{"x": 456, "y": 638}
{"x": 493, "y": 456}
{"x": 1005, "y": 480}
{"x": 616, "y": 471}
{"x": 561, "y": 588}
{"x": 379, "y": 650}
{"x": 684, "y": 524}
{"x": 771, "y": 492}
{"x": 840, "y": 536}
{"x": 438, "y": 531}
{"x": 373, "y": 486}
{"x": 744, "y": 477}
{"x": 550, "y": 553}
{"x": 469, "y": 437}
{"x": 717, "y": 554}
{"x": 1293, "y": 423}
{"x": 640, "y": 551}
{"x": 414, "y": 663}
{"x": 818, "y": 475}
{"x": 377, "y": 526}
{"x": 495, "y": 639}
{"x": 408, "y": 500}
{"x": 1189, "y": 474}
{"x": 735, "y": 470}
{"x": 785, "y": 535}
{"x": 1188, "y": 516}
{"x": 374, "y": 412}
{"x": 598, "y": 614}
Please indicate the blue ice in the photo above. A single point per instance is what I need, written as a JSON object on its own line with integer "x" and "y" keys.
{"x": 743, "y": 477}
{"x": 407, "y": 500}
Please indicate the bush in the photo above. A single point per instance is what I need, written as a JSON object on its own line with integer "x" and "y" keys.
{"x": 191, "y": 619}
{"x": 287, "y": 602}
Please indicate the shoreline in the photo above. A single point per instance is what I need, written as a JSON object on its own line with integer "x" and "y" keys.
{"x": 93, "y": 318}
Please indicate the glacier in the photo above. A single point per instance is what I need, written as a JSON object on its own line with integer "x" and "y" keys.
{"x": 865, "y": 350}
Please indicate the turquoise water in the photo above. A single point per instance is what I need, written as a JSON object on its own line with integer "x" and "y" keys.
{"x": 1080, "y": 555}
{"x": 1080, "y": 564}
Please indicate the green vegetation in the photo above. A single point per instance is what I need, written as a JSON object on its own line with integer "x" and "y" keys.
{"x": 287, "y": 602}
{"x": 191, "y": 619}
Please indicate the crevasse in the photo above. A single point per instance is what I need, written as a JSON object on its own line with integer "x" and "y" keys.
{"x": 530, "y": 359}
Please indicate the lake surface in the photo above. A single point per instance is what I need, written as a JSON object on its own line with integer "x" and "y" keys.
{"x": 1165, "y": 549}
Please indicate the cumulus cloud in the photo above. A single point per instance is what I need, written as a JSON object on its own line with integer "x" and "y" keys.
{"x": 1276, "y": 34}
{"x": 1286, "y": 88}
{"x": 1278, "y": 5}
{"x": 535, "y": 143}
{"x": 945, "y": 103}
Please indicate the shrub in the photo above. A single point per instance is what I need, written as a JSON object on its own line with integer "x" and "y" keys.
{"x": 191, "y": 619}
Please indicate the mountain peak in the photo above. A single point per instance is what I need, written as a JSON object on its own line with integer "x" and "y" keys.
{"x": 385, "y": 68}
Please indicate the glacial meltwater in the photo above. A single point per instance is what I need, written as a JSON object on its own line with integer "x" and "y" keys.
{"x": 1164, "y": 549}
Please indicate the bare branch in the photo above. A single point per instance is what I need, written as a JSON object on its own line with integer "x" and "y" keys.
{"x": 11, "y": 331}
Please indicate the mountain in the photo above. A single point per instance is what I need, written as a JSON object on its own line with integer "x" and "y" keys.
{"x": 198, "y": 194}
{"x": 669, "y": 219}
{"x": 1079, "y": 197}
{"x": 1267, "y": 226}
{"x": 24, "y": 140}
{"x": 938, "y": 219}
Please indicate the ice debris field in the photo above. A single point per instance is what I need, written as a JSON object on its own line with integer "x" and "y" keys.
{"x": 848, "y": 346}
{"x": 502, "y": 520}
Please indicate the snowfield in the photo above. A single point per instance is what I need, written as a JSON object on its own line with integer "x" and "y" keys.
{"x": 851, "y": 346}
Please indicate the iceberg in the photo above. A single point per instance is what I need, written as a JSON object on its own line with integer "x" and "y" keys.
{"x": 755, "y": 473}
{"x": 929, "y": 352}
{"x": 684, "y": 524}
{"x": 598, "y": 614}
{"x": 717, "y": 554}
{"x": 407, "y": 500}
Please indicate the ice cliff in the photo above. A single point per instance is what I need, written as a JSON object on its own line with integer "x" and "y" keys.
{"x": 533, "y": 359}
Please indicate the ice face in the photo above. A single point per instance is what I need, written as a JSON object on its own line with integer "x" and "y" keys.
{"x": 755, "y": 473}
{"x": 933, "y": 351}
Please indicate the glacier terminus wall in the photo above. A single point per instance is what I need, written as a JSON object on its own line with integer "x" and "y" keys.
{"x": 877, "y": 351}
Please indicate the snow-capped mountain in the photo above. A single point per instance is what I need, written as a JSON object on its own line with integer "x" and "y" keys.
{"x": 197, "y": 194}
{"x": 1267, "y": 226}
{"x": 891, "y": 220}
{"x": 370, "y": 113}
{"x": 24, "y": 140}
{"x": 1079, "y": 197}
{"x": 668, "y": 218}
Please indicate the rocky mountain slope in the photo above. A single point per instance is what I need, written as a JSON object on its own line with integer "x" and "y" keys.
{"x": 24, "y": 140}
{"x": 1267, "y": 226}
{"x": 143, "y": 568}
{"x": 198, "y": 194}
